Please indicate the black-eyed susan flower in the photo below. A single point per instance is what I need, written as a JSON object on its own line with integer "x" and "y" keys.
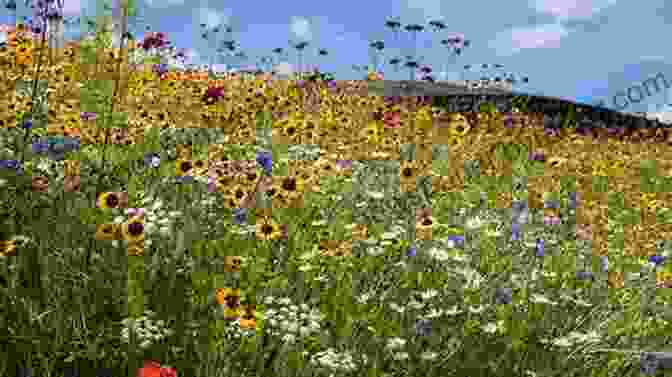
{"x": 267, "y": 229}
{"x": 556, "y": 162}
{"x": 133, "y": 230}
{"x": 229, "y": 301}
{"x": 291, "y": 185}
{"x": 183, "y": 167}
{"x": 183, "y": 151}
{"x": 424, "y": 224}
{"x": 248, "y": 318}
{"x": 232, "y": 263}
{"x": 112, "y": 199}
{"x": 664, "y": 279}
{"x": 408, "y": 175}
{"x": 108, "y": 232}
{"x": 200, "y": 168}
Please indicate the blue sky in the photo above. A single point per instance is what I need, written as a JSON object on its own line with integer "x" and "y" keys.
{"x": 586, "y": 50}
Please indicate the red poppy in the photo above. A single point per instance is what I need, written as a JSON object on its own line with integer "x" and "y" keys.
{"x": 150, "y": 369}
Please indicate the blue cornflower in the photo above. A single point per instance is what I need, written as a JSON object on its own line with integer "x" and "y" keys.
{"x": 518, "y": 207}
{"x": 584, "y": 275}
{"x": 515, "y": 231}
{"x": 573, "y": 200}
{"x": 457, "y": 240}
{"x": 240, "y": 216}
{"x": 540, "y": 252}
{"x": 184, "y": 179}
{"x": 503, "y": 296}
{"x": 27, "y": 124}
{"x": 412, "y": 251}
{"x": 423, "y": 327}
{"x": 604, "y": 263}
{"x": 40, "y": 146}
{"x": 657, "y": 260}
{"x": 551, "y": 203}
{"x": 56, "y": 151}
{"x": 265, "y": 159}
{"x": 9, "y": 164}
{"x": 152, "y": 160}
{"x": 648, "y": 364}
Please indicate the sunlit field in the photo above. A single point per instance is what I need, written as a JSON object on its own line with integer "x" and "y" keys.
{"x": 252, "y": 226}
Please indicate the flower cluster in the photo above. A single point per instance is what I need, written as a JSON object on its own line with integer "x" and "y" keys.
{"x": 290, "y": 322}
{"x": 146, "y": 329}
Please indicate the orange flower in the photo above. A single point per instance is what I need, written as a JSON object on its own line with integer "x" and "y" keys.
{"x": 248, "y": 320}
{"x": 150, "y": 369}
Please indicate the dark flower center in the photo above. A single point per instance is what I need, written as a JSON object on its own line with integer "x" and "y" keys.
{"x": 289, "y": 184}
{"x": 266, "y": 229}
{"x": 185, "y": 166}
{"x": 232, "y": 301}
{"x": 135, "y": 228}
{"x": 112, "y": 201}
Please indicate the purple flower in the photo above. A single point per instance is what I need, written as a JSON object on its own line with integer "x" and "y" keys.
{"x": 412, "y": 251}
{"x": 584, "y": 275}
{"x": 573, "y": 200}
{"x": 540, "y": 252}
{"x": 604, "y": 263}
{"x": 9, "y": 164}
{"x": 87, "y": 116}
{"x": 240, "y": 216}
{"x": 27, "y": 124}
{"x": 152, "y": 160}
{"x": 345, "y": 164}
{"x": 457, "y": 239}
{"x": 551, "y": 131}
{"x": 648, "y": 364}
{"x": 537, "y": 156}
{"x": 265, "y": 159}
{"x": 657, "y": 260}
{"x": 518, "y": 206}
{"x": 551, "y": 220}
{"x": 515, "y": 231}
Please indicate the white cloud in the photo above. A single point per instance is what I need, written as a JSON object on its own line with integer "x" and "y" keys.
{"x": 571, "y": 9}
{"x": 428, "y": 8}
{"x": 283, "y": 69}
{"x": 516, "y": 39}
{"x": 300, "y": 27}
{"x": 210, "y": 17}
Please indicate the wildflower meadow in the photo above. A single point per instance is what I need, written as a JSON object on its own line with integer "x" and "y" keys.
{"x": 159, "y": 222}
